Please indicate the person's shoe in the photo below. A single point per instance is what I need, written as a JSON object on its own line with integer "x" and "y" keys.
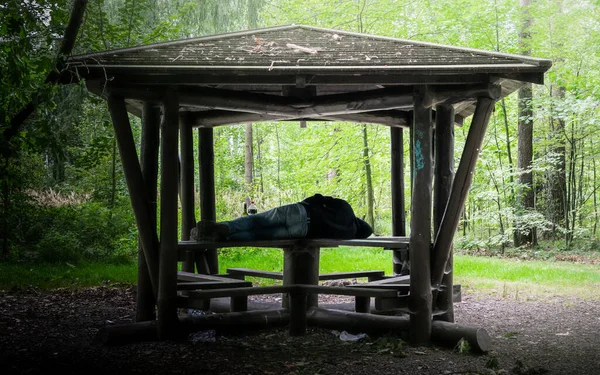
{"x": 211, "y": 231}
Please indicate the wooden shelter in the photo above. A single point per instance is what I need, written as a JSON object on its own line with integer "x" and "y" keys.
{"x": 299, "y": 73}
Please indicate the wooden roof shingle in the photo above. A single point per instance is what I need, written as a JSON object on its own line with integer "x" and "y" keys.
{"x": 304, "y": 47}
{"x": 300, "y": 63}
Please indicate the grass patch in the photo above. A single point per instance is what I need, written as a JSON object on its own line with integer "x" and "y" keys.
{"x": 512, "y": 278}
{"x": 64, "y": 275}
{"x": 505, "y": 278}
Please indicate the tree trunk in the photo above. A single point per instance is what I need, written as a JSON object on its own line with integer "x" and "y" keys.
{"x": 249, "y": 164}
{"x": 367, "y": 163}
{"x": 5, "y": 207}
{"x": 525, "y": 197}
{"x": 557, "y": 178}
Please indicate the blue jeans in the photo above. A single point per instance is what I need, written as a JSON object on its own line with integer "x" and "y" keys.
{"x": 289, "y": 221}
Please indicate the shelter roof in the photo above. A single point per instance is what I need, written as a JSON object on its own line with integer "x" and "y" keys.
{"x": 304, "y": 61}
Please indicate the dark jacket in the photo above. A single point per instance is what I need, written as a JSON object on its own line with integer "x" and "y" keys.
{"x": 334, "y": 218}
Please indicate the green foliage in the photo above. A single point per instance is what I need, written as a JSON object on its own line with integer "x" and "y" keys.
{"x": 463, "y": 347}
{"x": 390, "y": 344}
{"x": 74, "y": 233}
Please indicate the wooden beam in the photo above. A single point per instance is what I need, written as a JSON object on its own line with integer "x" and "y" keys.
{"x": 138, "y": 194}
{"x": 207, "y": 190}
{"x": 444, "y": 176}
{"x": 460, "y": 188}
{"x": 217, "y": 118}
{"x": 225, "y": 322}
{"x": 188, "y": 217}
{"x": 443, "y": 333}
{"x": 398, "y": 209}
{"x": 152, "y": 77}
{"x": 146, "y": 298}
{"x": 455, "y": 94}
{"x": 327, "y": 105}
{"x": 420, "y": 233}
{"x": 167, "y": 289}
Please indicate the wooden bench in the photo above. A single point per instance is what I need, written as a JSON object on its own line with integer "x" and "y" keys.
{"x": 243, "y": 272}
{"x": 400, "y": 284}
{"x": 188, "y": 285}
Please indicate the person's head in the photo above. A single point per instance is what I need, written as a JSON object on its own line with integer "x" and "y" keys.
{"x": 363, "y": 229}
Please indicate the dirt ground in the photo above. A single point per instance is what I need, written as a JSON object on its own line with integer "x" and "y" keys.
{"x": 53, "y": 332}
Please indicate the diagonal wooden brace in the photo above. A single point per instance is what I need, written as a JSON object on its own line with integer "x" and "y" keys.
{"x": 136, "y": 186}
{"x": 460, "y": 188}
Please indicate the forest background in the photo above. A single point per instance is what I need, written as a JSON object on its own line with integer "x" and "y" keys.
{"x": 63, "y": 193}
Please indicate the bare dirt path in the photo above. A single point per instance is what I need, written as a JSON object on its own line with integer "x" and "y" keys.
{"x": 43, "y": 332}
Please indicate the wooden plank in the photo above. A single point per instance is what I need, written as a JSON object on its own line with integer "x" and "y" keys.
{"x": 350, "y": 275}
{"x": 138, "y": 194}
{"x": 404, "y": 279}
{"x": 146, "y": 299}
{"x": 386, "y": 243}
{"x": 444, "y": 177}
{"x": 462, "y": 182}
{"x": 348, "y": 291}
{"x": 327, "y": 276}
{"x": 397, "y": 181}
{"x": 255, "y": 273}
{"x": 420, "y": 226}
{"x": 207, "y": 189}
{"x": 237, "y": 292}
{"x": 202, "y": 285}
{"x": 404, "y": 288}
{"x": 189, "y": 276}
{"x": 167, "y": 288}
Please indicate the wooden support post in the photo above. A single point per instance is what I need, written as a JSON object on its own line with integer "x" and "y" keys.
{"x": 188, "y": 218}
{"x": 207, "y": 190}
{"x": 444, "y": 176}
{"x": 297, "y": 309}
{"x": 362, "y": 304}
{"x": 301, "y": 266}
{"x": 167, "y": 288}
{"x": 135, "y": 183}
{"x": 237, "y": 304}
{"x": 460, "y": 188}
{"x": 146, "y": 300}
{"x": 398, "y": 210}
{"x": 420, "y": 234}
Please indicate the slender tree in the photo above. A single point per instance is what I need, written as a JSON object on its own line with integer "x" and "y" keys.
{"x": 525, "y": 233}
